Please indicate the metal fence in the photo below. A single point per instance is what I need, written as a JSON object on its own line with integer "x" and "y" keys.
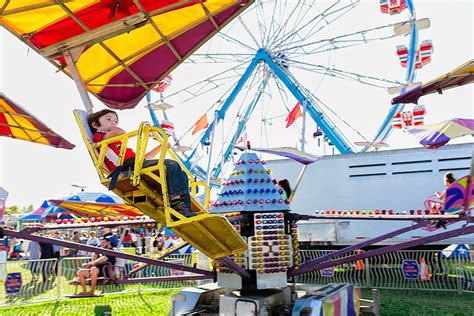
{"x": 51, "y": 279}
{"x": 386, "y": 271}
{"x": 39, "y": 281}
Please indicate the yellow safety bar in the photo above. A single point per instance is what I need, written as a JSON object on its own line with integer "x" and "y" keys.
{"x": 146, "y": 189}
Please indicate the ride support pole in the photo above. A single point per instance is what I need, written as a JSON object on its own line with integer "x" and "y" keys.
{"x": 68, "y": 56}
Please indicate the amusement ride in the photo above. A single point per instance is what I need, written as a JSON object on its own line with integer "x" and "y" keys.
{"x": 249, "y": 231}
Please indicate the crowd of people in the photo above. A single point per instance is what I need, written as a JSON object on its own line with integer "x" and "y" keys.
{"x": 132, "y": 238}
{"x": 38, "y": 252}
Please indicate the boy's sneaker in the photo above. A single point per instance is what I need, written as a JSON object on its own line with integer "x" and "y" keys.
{"x": 183, "y": 209}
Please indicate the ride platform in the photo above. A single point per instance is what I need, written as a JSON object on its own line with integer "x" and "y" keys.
{"x": 145, "y": 188}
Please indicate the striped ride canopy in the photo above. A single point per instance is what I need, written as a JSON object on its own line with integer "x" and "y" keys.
{"x": 122, "y": 49}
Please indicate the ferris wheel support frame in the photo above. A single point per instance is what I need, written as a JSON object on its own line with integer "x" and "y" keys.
{"x": 316, "y": 115}
{"x": 154, "y": 119}
{"x": 241, "y": 126}
{"x": 225, "y": 106}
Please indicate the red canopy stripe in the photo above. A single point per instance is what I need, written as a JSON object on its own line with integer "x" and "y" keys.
{"x": 122, "y": 49}
{"x": 4, "y": 129}
{"x": 115, "y": 96}
{"x": 97, "y": 15}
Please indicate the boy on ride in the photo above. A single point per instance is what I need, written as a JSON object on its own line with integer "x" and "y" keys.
{"x": 104, "y": 125}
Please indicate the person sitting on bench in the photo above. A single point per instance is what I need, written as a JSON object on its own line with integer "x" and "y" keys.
{"x": 104, "y": 125}
{"x": 95, "y": 268}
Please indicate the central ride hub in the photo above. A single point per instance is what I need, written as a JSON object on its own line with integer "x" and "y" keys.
{"x": 254, "y": 204}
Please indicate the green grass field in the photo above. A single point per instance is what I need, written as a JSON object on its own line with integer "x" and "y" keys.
{"x": 37, "y": 290}
{"x": 394, "y": 302}
{"x": 150, "y": 303}
{"x": 424, "y": 303}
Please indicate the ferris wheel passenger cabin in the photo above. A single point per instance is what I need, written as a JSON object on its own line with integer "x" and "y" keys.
{"x": 422, "y": 54}
{"x": 392, "y": 6}
{"x": 409, "y": 118}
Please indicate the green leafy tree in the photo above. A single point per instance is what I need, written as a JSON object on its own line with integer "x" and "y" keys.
{"x": 27, "y": 209}
{"x": 12, "y": 210}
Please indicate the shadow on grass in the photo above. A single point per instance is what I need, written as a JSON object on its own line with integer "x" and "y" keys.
{"x": 55, "y": 308}
{"x": 145, "y": 302}
{"x": 101, "y": 310}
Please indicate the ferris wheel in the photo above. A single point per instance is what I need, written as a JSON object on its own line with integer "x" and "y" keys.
{"x": 272, "y": 75}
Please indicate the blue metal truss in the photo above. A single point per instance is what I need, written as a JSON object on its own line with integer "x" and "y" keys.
{"x": 241, "y": 127}
{"x": 262, "y": 56}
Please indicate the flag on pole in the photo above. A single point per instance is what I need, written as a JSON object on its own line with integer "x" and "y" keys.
{"x": 293, "y": 115}
{"x": 201, "y": 124}
{"x": 242, "y": 139}
{"x": 163, "y": 84}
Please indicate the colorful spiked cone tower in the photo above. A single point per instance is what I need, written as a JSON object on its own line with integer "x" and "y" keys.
{"x": 253, "y": 203}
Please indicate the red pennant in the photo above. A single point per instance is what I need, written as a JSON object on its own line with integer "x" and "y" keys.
{"x": 201, "y": 124}
{"x": 293, "y": 115}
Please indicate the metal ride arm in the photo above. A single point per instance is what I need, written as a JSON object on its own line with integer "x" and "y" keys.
{"x": 319, "y": 263}
{"x": 26, "y": 234}
{"x": 312, "y": 266}
{"x": 146, "y": 190}
{"x": 362, "y": 244}
{"x": 162, "y": 255}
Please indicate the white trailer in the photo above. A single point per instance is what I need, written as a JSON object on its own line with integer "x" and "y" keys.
{"x": 397, "y": 180}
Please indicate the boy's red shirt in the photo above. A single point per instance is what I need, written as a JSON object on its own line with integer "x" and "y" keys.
{"x": 112, "y": 155}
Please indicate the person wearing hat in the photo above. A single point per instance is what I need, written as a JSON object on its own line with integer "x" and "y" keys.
{"x": 57, "y": 248}
{"x": 112, "y": 239}
{"x": 95, "y": 268}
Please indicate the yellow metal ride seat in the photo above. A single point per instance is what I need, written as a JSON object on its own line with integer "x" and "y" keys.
{"x": 145, "y": 188}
